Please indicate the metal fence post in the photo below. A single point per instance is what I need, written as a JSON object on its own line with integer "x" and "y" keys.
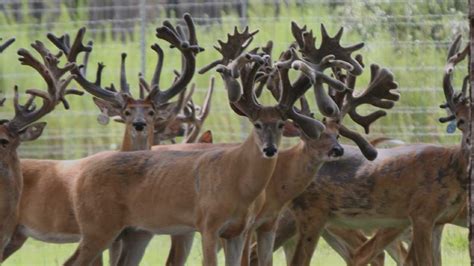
{"x": 471, "y": 155}
{"x": 143, "y": 36}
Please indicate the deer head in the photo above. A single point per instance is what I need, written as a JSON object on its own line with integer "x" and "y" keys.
{"x": 457, "y": 103}
{"x": 315, "y": 61}
{"x": 24, "y": 126}
{"x": 268, "y": 121}
{"x": 140, "y": 115}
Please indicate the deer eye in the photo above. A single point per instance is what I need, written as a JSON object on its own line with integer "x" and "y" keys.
{"x": 151, "y": 113}
{"x": 460, "y": 123}
{"x": 4, "y": 142}
{"x": 127, "y": 113}
{"x": 258, "y": 126}
{"x": 281, "y": 125}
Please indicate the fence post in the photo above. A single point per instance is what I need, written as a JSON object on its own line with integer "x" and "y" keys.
{"x": 243, "y": 23}
{"x": 143, "y": 36}
{"x": 471, "y": 155}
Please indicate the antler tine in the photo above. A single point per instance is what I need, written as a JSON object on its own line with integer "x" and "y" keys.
{"x": 378, "y": 93}
{"x": 85, "y": 63}
{"x": 155, "y": 81}
{"x": 326, "y": 106}
{"x": 206, "y": 107}
{"x": 24, "y": 115}
{"x": 2, "y": 101}
{"x": 289, "y": 94}
{"x": 241, "y": 95}
{"x": 188, "y": 48}
{"x": 63, "y": 43}
{"x": 6, "y": 44}
{"x": 305, "y": 109}
{"x": 50, "y": 71}
{"x": 232, "y": 71}
{"x": 124, "y": 87}
{"x": 198, "y": 120}
{"x": 232, "y": 48}
{"x": 316, "y": 60}
{"x": 454, "y": 57}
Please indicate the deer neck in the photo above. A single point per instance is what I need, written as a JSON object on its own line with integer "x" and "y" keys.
{"x": 137, "y": 141}
{"x": 463, "y": 151}
{"x": 11, "y": 179}
{"x": 253, "y": 169}
{"x": 295, "y": 169}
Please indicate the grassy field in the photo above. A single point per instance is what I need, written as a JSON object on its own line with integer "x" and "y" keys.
{"x": 398, "y": 35}
{"x": 37, "y": 253}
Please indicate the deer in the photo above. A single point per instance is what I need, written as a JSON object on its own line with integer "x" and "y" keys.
{"x": 24, "y": 126}
{"x": 392, "y": 192}
{"x": 199, "y": 177}
{"x": 141, "y": 117}
{"x": 457, "y": 106}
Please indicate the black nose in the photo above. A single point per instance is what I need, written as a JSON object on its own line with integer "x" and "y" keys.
{"x": 337, "y": 151}
{"x": 139, "y": 126}
{"x": 270, "y": 151}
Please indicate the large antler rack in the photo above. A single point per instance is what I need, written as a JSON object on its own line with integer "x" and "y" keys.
{"x": 452, "y": 98}
{"x": 378, "y": 93}
{"x": 315, "y": 60}
{"x": 232, "y": 48}
{"x": 242, "y": 95}
{"x": 56, "y": 91}
{"x": 288, "y": 94}
{"x": 72, "y": 52}
{"x": 188, "y": 46}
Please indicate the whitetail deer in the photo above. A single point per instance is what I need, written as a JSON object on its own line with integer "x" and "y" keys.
{"x": 176, "y": 192}
{"x": 393, "y": 191}
{"x": 453, "y": 179}
{"x": 23, "y": 127}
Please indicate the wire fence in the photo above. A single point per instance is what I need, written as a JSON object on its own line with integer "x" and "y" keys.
{"x": 409, "y": 37}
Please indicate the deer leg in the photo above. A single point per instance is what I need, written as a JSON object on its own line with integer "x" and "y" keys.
{"x": 397, "y": 252}
{"x": 310, "y": 227}
{"x": 437, "y": 234}
{"x": 115, "y": 251}
{"x": 134, "y": 246}
{"x": 337, "y": 245}
{"x": 422, "y": 241}
{"x": 345, "y": 241}
{"x": 209, "y": 240}
{"x": 246, "y": 254}
{"x": 94, "y": 241}
{"x": 286, "y": 229}
{"x": 234, "y": 249}
{"x": 289, "y": 248}
{"x": 180, "y": 248}
{"x": 16, "y": 242}
{"x": 98, "y": 261}
{"x": 369, "y": 250}
{"x": 265, "y": 240}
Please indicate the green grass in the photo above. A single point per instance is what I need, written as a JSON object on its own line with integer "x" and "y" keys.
{"x": 454, "y": 250}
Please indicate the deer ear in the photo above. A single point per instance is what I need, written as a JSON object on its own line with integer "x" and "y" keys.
{"x": 206, "y": 137}
{"x": 106, "y": 107}
{"x": 32, "y": 132}
{"x": 291, "y": 130}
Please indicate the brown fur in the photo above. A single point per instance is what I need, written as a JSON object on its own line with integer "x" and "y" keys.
{"x": 136, "y": 190}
